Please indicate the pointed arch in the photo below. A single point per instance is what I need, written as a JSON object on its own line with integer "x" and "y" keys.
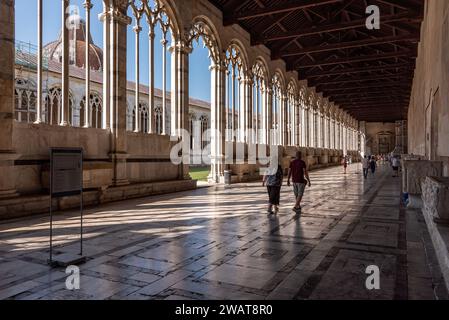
{"x": 240, "y": 48}
{"x": 53, "y": 105}
{"x": 280, "y": 78}
{"x": 204, "y": 28}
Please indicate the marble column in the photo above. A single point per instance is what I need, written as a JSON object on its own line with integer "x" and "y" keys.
{"x": 7, "y": 154}
{"x": 151, "y": 71}
{"x": 117, "y": 37}
{"x": 248, "y": 123}
{"x": 307, "y": 126}
{"x": 39, "y": 68}
{"x": 283, "y": 120}
{"x": 106, "y": 109}
{"x": 64, "y": 108}
{"x": 164, "y": 43}
{"x": 304, "y": 126}
{"x": 297, "y": 127}
{"x": 269, "y": 117}
{"x": 244, "y": 109}
{"x": 315, "y": 129}
{"x": 180, "y": 101}
{"x": 87, "y": 109}
{"x": 323, "y": 132}
{"x": 137, "y": 29}
{"x": 218, "y": 122}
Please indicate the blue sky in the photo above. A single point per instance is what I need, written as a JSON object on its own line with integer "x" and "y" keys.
{"x": 26, "y": 31}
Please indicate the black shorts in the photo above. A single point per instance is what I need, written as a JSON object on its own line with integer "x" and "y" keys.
{"x": 395, "y": 168}
{"x": 274, "y": 194}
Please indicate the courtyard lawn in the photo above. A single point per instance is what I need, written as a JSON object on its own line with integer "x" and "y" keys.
{"x": 199, "y": 173}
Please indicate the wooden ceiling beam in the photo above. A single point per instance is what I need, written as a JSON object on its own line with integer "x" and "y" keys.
{"x": 394, "y": 77}
{"x": 371, "y": 103}
{"x": 396, "y": 86}
{"x": 361, "y": 23}
{"x": 351, "y": 44}
{"x": 340, "y": 71}
{"x": 378, "y": 97}
{"x": 381, "y": 95}
{"x": 374, "y": 57}
{"x": 285, "y": 7}
{"x": 402, "y": 4}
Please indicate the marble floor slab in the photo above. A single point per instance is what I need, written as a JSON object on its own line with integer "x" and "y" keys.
{"x": 219, "y": 243}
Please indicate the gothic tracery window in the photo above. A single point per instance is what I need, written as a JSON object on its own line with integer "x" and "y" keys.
{"x": 259, "y": 94}
{"x": 159, "y": 119}
{"x": 53, "y": 106}
{"x": 25, "y": 100}
{"x": 144, "y": 117}
{"x": 234, "y": 92}
{"x": 204, "y": 123}
{"x": 94, "y": 111}
{"x": 151, "y": 18}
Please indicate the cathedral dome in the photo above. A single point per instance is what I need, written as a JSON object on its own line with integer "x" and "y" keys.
{"x": 77, "y": 49}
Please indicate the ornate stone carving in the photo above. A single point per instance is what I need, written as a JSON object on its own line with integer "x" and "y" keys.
{"x": 435, "y": 195}
{"x": 415, "y": 171}
{"x": 201, "y": 29}
{"x": 303, "y": 95}
{"x": 312, "y": 98}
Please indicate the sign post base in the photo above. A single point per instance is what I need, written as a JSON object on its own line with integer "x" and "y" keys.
{"x": 66, "y": 259}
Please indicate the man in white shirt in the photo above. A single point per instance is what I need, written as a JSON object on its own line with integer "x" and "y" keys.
{"x": 395, "y": 163}
{"x": 365, "y": 165}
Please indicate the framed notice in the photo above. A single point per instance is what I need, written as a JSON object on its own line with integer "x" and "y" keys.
{"x": 66, "y": 166}
{"x": 66, "y": 179}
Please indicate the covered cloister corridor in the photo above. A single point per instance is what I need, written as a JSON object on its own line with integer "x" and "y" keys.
{"x": 218, "y": 243}
{"x": 161, "y": 118}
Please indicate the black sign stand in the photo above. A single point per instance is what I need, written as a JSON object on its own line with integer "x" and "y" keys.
{"x": 66, "y": 179}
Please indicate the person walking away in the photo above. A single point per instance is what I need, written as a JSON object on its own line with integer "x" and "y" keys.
{"x": 345, "y": 163}
{"x": 395, "y": 164}
{"x": 365, "y": 166}
{"x": 372, "y": 165}
{"x": 273, "y": 181}
{"x": 300, "y": 176}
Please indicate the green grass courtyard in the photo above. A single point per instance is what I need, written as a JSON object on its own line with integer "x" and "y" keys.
{"x": 199, "y": 173}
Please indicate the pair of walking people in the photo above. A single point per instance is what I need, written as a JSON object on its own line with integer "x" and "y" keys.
{"x": 367, "y": 164}
{"x": 299, "y": 175}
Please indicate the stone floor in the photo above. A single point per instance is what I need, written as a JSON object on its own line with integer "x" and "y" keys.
{"x": 218, "y": 243}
